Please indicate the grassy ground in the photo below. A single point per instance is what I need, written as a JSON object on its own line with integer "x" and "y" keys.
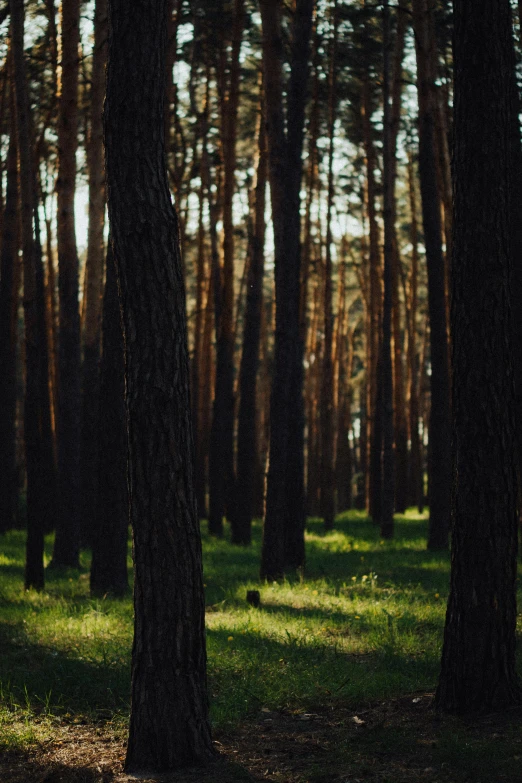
{"x": 358, "y": 638}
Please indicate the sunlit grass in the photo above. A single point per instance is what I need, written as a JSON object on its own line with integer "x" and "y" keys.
{"x": 364, "y": 624}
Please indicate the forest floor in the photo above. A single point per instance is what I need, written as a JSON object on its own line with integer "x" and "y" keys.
{"x": 330, "y": 680}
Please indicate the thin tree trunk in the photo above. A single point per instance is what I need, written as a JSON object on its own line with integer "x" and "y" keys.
{"x": 66, "y": 543}
{"x": 386, "y": 380}
{"x": 478, "y": 659}
{"x": 169, "y": 725}
{"x": 247, "y": 434}
{"x": 440, "y": 428}
{"x": 199, "y": 382}
{"x": 374, "y": 430}
{"x": 9, "y": 300}
{"x": 283, "y": 537}
{"x": 37, "y": 420}
{"x": 415, "y": 466}
{"x": 221, "y": 467}
{"x": 399, "y": 402}
{"x": 327, "y": 489}
{"x": 93, "y": 278}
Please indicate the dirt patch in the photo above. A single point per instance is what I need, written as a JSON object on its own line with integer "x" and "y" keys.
{"x": 399, "y": 741}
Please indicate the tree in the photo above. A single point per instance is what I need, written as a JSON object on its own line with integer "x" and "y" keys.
{"x": 169, "y": 723}
{"x": 283, "y": 535}
{"x": 247, "y": 427}
{"x": 37, "y": 421}
{"x": 92, "y": 307}
{"x": 386, "y": 372}
{"x": 9, "y": 294}
{"x": 67, "y": 540}
{"x": 440, "y": 414}
{"x": 221, "y": 455}
{"x": 110, "y": 517}
{"x": 478, "y": 658}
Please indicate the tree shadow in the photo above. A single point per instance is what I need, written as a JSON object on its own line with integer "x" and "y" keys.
{"x": 24, "y": 767}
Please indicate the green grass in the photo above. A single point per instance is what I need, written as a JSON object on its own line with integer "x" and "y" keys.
{"x": 365, "y": 624}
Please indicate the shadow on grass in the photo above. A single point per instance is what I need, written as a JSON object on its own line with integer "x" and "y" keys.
{"x": 44, "y": 680}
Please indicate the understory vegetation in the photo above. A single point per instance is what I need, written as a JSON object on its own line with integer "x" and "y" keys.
{"x": 363, "y": 626}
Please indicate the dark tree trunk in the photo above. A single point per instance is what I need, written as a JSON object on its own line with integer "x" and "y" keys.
{"x": 66, "y": 543}
{"x": 9, "y": 299}
{"x": 478, "y": 659}
{"x": 283, "y": 539}
{"x": 373, "y": 385}
{"x": 386, "y": 381}
{"x": 37, "y": 420}
{"x": 440, "y": 427}
{"x": 169, "y": 725}
{"x": 93, "y": 279}
{"x": 415, "y": 489}
{"x": 247, "y": 445}
{"x": 111, "y": 518}
{"x": 221, "y": 457}
{"x": 399, "y": 402}
{"x": 327, "y": 478}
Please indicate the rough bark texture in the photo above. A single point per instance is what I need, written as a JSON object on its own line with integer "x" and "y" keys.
{"x": 478, "y": 659}
{"x": 37, "y": 422}
{"x": 169, "y": 722}
{"x": 93, "y": 278}
{"x": 283, "y": 538}
{"x": 9, "y": 284}
{"x": 440, "y": 426}
{"x": 66, "y": 544}
{"x": 247, "y": 430}
{"x": 111, "y": 518}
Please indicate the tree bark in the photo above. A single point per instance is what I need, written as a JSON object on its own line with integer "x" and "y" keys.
{"x": 478, "y": 658}
{"x": 221, "y": 457}
{"x": 93, "y": 278}
{"x": 247, "y": 432}
{"x": 66, "y": 543}
{"x": 440, "y": 427}
{"x": 399, "y": 401}
{"x": 9, "y": 299}
{"x": 386, "y": 381}
{"x": 327, "y": 488}
{"x": 111, "y": 517}
{"x": 169, "y": 722}
{"x": 283, "y": 536}
{"x": 37, "y": 419}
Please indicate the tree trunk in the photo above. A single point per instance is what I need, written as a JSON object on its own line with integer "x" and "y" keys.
{"x": 386, "y": 381}
{"x": 247, "y": 441}
{"x": 415, "y": 491}
{"x": 111, "y": 518}
{"x": 478, "y": 658}
{"x": 399, "y": 401}
{"x": 93, "y": 278}
{"x": 66, "y": 543}
{"x": 169, "y": 723}
{"x": 221, "y": 457}
{"x": 283, "y": 537}
{"x": 37, "y": 419}
{"x": 440, "y": 428}
{"x": 374, "y": 430}
{"x": 327, "y": 501}
{"x": 9, "y": 299}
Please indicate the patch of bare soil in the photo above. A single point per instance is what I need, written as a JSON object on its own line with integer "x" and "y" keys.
{"x": 399, "y": 741}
